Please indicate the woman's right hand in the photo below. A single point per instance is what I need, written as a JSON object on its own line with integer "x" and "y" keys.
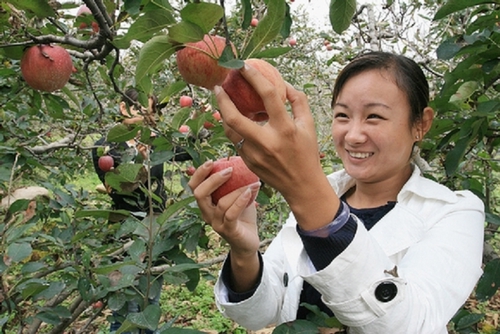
{"x": 231, "y": 218}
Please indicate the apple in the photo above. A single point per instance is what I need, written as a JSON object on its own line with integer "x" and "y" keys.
{"x": 186, "y": 101}
{"x": 84, "y": 10}
{"x": 198, "y": 62}
{"x": 241, "y": 176}
{"x": 106, "y": 163}
{"x": 217, "y": 116}
{"x": 329, "y": 48}
{"x": 326, "y": 42}
{"x": 184, "y": 129}
{"x": 244, "y": 96}
{"x": 190, "y": 170}
{"x": 98, "y": 305}
{"x": 292, "y": 41}
{"x": 46, "y": 67}
{"x": 254, "y": 22}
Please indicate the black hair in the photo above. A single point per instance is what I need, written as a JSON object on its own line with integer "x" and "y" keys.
{"x": 407, "y": 74}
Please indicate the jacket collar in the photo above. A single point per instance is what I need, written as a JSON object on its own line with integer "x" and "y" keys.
{"x": 417, "y": 184}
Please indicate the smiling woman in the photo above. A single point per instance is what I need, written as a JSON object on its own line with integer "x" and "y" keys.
{"x": 368, "y": 244}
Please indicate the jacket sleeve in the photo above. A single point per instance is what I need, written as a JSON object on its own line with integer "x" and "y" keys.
{"x": 279, "y": 289}
{"x": 420, "y": 288}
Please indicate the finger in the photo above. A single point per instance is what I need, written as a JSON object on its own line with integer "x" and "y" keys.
{"x": 299, "y": 103}
{"x": 200, "y": 174}
{"x": 236, "y": 126}
{"x": 274, "y": 104}
{"x": 232, "y": 205}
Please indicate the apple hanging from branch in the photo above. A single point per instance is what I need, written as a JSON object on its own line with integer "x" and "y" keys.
{"x": 46, "y": 67}
{"x": 198, "y": 62}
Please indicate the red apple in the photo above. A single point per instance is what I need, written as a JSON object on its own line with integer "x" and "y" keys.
{"x": 186, "y": 101}
{"x": 329, "y": 48}
{"x": 244, "y": 96}
{"x": 190, "y": 170}
{"x": 241, "y": 176}
{"x": 184, "y": 129}
{"x": 198, "y": 62}
{"x": 292, "y": 41}
{"x": 106, "y": 163}
{"x": 84, "y": 10}
{"x": 98, "y": 305}
{"x": 46, "y": 67}
{"x": 254, "y": 22}
{"x": 217, "y": 116}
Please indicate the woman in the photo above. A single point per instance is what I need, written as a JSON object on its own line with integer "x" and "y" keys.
{"x": 376, "y": 244}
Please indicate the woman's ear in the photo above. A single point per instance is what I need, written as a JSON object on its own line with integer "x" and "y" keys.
{"x": 425, "y": 123}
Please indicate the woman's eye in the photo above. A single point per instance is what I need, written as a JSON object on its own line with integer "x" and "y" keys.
{"x": 374, "y": 116}
{"x": 340, "y": 115}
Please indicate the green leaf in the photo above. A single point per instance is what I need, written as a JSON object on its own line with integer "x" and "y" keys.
{"x": 341, "y": 13}
{"x": 121, "y": 133}
{"x": 85, "y": 288}
{"x": 468, "y": 321}
{"x": 297, "y": 326}
{"x": 267, "y": 29}
{"x": 149, "y": 318}
{"x": 203, "y": 14}
{"x": 490, "y": 280}
{"x": 170, "y": 90}
{"x": 145, "y": 27}
{"x": 152, "y": 54}
{"x": 447, "y": 50}
{"x": 19, "y": 205}
{"x": 19, "y": 251}
{"x": 38, "y": 7}
{"x": 174, "y": 208}
{"x": 273, "y": 53}
{"x": 185, "y": 32}
{"x": 247, "y": 13}
{"x": 452, "y": 6}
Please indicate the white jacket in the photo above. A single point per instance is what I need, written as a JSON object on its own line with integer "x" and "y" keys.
{"x": 434, "y": 237}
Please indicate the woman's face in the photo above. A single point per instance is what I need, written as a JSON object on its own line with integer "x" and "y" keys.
{"x": 371, "y": 129}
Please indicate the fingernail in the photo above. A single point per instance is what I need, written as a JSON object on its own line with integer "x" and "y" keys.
{"x": 208, "y": 163}
{"x": 254, "y": 186}
{"x": 246, "y": 67}
{"x": 226, "y": 171}
{"x": 246, "y": 194}
{"x": 217, "y": 89}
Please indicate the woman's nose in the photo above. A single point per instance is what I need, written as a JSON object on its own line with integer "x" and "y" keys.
{"x": 355, "y": 133}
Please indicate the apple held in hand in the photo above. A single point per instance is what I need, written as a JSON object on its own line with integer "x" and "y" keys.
{"x": 46, "y": 67}
{"x": 244, "y": 96}
{"x": 198, "y": 62}
{"x": 106, "y": 163}
{"x": 241, "y": 176}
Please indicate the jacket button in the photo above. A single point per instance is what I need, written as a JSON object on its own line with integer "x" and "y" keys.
{"x": 386, "y": 291}
{"x": 285, "y": 280}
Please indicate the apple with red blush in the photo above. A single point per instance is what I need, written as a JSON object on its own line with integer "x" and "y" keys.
{"x": 241, "y": 176}
{"x": 245, "y": 97}
{"x": 106, "y": 163}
